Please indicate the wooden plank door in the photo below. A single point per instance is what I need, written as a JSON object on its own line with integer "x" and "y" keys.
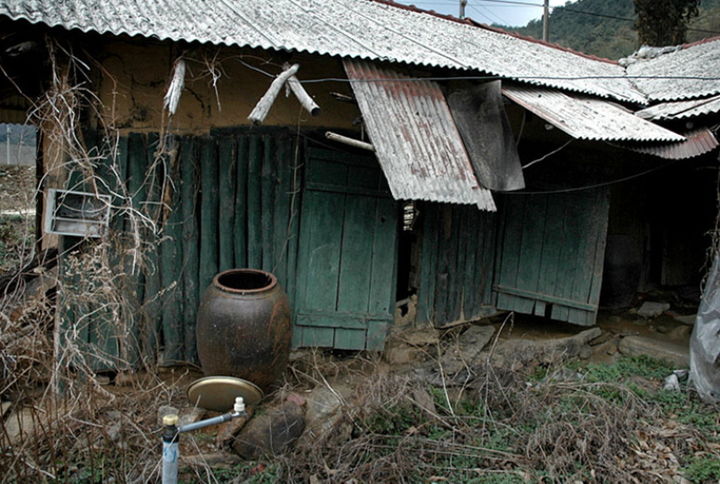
{"x": 550, "y": 257}
{"x": 347, "y": 254}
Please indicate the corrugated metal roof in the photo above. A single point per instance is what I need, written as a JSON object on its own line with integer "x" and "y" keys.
{"x": 698, "y": 142}
{"x": 698, "y": 60}
{"x": 416, "y": 141}
{"x": 587, "y": 118}
{"x": 681, "y": 109}
{"x": 348, "y": 28}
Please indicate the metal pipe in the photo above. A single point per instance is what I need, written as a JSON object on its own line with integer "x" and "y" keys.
{"x": 170, "y": 450}
{"x": 210, "y": 421}
{"x": 171, "y": 438}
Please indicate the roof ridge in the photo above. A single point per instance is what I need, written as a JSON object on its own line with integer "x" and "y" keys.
{"x": 475, "y": 23}
{"x": 706, "y": 40}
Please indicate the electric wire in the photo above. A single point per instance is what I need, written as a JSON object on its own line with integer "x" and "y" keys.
{"x": 585, "y": 12}
{"x": 595, "y": 185}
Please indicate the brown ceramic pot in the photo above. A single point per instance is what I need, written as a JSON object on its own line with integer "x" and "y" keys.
{"x": 243, "y": 327}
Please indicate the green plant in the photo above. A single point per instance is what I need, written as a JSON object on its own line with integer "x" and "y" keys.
{"x": 703, "y": 469}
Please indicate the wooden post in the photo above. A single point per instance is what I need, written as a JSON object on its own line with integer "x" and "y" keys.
{"x": 262, "y": 108}
{"x": 302, "y": 95}
{"x": 349, "y": 141}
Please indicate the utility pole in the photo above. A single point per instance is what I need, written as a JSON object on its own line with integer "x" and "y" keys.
{"x": 546, "y": 21}
{"x": 463, "y": 4}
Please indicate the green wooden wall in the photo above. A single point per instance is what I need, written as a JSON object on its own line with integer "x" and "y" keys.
{"x": 456, "y": 263}
{"x": 550, "y": 254}
{"x": 348, "y": 253}
{"x": 228, "y": 201}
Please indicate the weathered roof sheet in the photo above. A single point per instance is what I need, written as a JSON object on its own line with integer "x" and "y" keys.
{"x": 416, "y": 141}
{"x": 700, "y": 60}
{"x": 681, "y": 109}
{"x": 363, "y": 29}
{"x": 587, "y": 118}
{"x": 698, "y": 142}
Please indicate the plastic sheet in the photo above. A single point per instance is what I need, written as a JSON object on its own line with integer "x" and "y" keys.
{"x": 705, "y": 340}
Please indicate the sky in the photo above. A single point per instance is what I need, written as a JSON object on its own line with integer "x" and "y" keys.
{"x": 489, "y": 11}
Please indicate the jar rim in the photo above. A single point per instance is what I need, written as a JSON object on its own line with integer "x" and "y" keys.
{"x": 253, "y": 278}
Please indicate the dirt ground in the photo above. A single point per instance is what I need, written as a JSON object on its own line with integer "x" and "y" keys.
{"x": 558, "y": 416}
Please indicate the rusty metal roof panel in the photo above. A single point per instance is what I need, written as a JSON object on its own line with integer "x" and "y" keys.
{"x": 364, "y": 29}
{"x": 697, "y": 143}
{"x": 659, "y": 77}
{"x": 681, "y": 109}
{"x": 587, "y": 118}
{"x": 415, "y": 137}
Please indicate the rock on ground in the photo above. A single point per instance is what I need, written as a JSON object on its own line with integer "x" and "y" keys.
{"x": 677, "y": 354}
{"x": 226, "y": 432}
{"x": 516, "y": 353}
{"x": 272, "y": 432}
{"x": 650, "y": 309}
{"x": 324, "y": 414}
{"x": 19, "y": 425}
{"x": 468, "y": 347}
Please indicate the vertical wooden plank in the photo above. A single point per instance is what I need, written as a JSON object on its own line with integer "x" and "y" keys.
{"x": 554, "y": 238}
{"x": 227, "y": 167}
{"x": 325, "y": 211}
{"x": 137, "y": 158}
{"x": 282, "y": 211}
{"x": 489, "y": 255}
{"x": 514, "y": 210}
{"x": 602, "y": 207}
{"x": 428, "y": 272}
{"x": 472, "y": 230}
{"x": 208, "y": 213}
{"x": 594, "y": 231}
{"x": 152, "y": 305}
{"x": 457, "y": 287}
{"x": 295, "y": 202}
{"x": 190, "y": 271}
{"x": 320, "y": 337}
{"x": 171, "y": 257}
{"x": 384, "y": 256}
{"x": 376, "y": 333}
{"x": 447, "y": 254}
{"x": 531, "y": 248}
{"x": 240, "y": 226}
{"x": 254, "y": 205}
{"x": 354, "y": 280}
{"x": 350, "y": 339}
{"x": 568, "y": 255}
{"x": 267, "y": 195}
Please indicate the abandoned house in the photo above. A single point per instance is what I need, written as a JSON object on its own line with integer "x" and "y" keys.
{"x": 435, "y": 161}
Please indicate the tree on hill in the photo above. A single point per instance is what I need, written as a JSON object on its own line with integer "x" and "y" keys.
{"x": 607, "y": 27}
{"x": 664, "y": 22}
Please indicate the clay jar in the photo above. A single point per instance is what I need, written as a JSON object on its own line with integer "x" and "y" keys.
{"x": 243, "y": 327}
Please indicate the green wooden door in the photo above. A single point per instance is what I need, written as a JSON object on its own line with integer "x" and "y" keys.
{"x": 550, "y": 257}
{"x": 347, "y": 254}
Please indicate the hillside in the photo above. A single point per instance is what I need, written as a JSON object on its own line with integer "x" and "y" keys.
{"x": 605, "y": 36}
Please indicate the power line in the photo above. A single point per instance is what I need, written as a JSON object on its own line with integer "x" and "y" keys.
{"x": 489, "y": 13}
{"x": 585, "y": 12}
